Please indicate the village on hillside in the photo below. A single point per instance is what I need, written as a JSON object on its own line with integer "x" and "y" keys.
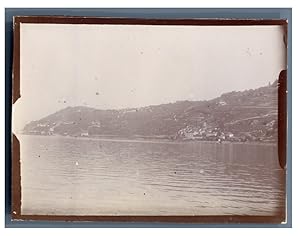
{"x": 243, "y": 116}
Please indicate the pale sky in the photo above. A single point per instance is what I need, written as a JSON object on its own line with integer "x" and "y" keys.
{"x": 123, "y": 66}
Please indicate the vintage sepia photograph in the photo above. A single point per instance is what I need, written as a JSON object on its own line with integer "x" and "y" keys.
{"x": 149, "y": 119}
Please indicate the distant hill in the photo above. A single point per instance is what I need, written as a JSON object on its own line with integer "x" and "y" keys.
{"x": 249, "y": 115}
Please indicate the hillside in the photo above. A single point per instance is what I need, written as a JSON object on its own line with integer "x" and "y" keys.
{"x": 249, "y": 115}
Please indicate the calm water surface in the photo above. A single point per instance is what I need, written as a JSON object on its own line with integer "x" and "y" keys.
{"x": 80, "y": 176}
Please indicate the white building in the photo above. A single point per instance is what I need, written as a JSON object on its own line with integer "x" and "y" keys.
{"x": 84, "y": 134}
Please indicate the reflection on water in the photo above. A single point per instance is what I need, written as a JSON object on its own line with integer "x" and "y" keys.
{"x": 80, "y": 176}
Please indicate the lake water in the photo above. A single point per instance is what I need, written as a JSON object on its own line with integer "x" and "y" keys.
{"x": 81, "y": 176}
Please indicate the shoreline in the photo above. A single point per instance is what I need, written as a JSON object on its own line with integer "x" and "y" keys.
{"x": 148, "y": 139}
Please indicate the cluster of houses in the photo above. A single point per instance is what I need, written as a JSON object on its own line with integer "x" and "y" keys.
{"x": 209, "y": 133}
{"x": 49, "y": 129}
{"x": 205, "y": 133}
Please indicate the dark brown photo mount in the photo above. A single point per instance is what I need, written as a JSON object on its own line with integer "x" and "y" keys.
{"x": 214, "y": 219}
